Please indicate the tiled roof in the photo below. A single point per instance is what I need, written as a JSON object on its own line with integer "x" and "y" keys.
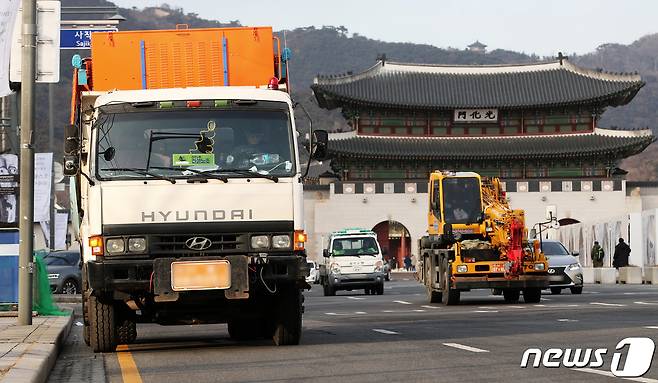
{"x": 395, "y": 85}
{"x": 602, "y": 142}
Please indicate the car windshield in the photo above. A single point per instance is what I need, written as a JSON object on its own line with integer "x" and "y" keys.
{"x": 461, "y": 200}
{"x": 151, "y": 143}
{"x": 55, "y": 260}
{"x": 355, "y": 246}
{"x": 553, "y": 248}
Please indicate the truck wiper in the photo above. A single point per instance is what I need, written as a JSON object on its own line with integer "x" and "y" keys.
{"x": 141, "y": 171}
{"x": 246, "y": 172}
{"x": 209, "y": 174}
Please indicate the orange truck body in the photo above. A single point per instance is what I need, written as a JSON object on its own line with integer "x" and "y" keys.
{"x": 157, "y": 59}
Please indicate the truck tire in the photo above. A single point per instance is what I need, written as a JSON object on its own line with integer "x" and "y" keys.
{"x": 511, "y": 295}
{"x": 126, "y": 332}
{"x": 434, "y": 296}
{"x": 288, "y": 328}
{"x": 102, "y": 329}
{"x": 239, "y": 329}
{"x": 85, "y": 313}
{"x": 328, "y": 290}
{"x": 532, "y": 295}
{"x": 449, "y": 295}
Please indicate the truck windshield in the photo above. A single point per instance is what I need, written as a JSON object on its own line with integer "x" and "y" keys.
{"x": 461, "y": 200}
{"x": 355, "y": 246}
{"x": 170, "y": 142}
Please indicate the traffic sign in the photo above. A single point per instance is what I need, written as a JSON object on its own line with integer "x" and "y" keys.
{"x": 79, "y": 38}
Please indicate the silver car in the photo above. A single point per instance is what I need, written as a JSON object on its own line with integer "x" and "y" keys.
{"x": 563, "y": 268}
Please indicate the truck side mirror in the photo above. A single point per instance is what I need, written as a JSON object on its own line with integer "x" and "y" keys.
{"x": 320, "y": 141}
{"x": 71, "y": 165}
{"x": 325, "y": 253}
{"x": 533, "y": 233}
{"x": 481, "y": 217}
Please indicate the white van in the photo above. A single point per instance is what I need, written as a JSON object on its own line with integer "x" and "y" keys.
{"x": 353, "y": 260}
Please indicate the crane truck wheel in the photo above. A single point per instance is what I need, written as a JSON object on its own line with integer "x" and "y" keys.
{"x": 85, "y": 307}
{"x": 102, "y": 329}
{"x": 532, "y": 295}
{"x": 434, "y": 296}
{"x": 511, "y": 295}
{"x": 449, "y": 295}
{"x": 288, "y": 327}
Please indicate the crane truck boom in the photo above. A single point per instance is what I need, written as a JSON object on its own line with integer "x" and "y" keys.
{"x": 476, "y": 241}
{"x": 183, "y": 154}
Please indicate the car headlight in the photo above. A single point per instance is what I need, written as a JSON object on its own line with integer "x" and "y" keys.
{"x": 462, "y": 268}
{"x": 540, "y": 267}
{"x": 379, "y": 265}
{"x": 573, "y": 266}
{"x": 115, "y": 246}
{"x": 281, "y": 241}
{"x": 53, "y": 276}
{"x": 137, "y": 245}
{"x": 260, "y": 242}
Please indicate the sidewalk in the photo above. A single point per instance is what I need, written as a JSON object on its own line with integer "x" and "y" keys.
{"x": 28, "y": 353}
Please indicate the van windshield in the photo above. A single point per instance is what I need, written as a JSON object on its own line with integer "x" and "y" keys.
{"x": 355, "y": 246}
{"x": 166, "y": 143}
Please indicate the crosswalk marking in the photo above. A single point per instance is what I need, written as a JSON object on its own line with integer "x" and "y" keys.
{"x": 402, "y": 302}
{"x": 387, "y": 332}
{"x": 464, "y": 347}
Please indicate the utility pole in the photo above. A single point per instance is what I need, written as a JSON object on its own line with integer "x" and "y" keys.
{"x": 26, "y": 212}
{"x": 51, "y": 142}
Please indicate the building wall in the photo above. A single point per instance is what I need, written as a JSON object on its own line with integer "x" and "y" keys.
{"x": 327, "y": 210}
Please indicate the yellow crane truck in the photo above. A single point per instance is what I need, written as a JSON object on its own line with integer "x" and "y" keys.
{"x": 476, "y": 241}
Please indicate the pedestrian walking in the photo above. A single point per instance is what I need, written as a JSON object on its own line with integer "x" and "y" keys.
{"x": 407, "y": 262}
{"x": 622, "y": 252}
{"x": 597, "y": 255}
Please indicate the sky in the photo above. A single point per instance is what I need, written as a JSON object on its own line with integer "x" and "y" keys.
{"x": 544, "y": 27}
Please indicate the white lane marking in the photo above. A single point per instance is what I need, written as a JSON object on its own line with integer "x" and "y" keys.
{"x": 387, "y": 332}
{"x": 419, "y": 311}
{"x": 591, "y": 292}
{"x": 567, "y": 320}
{"x": 343, "y": 314}
{"x": 485, "y": 311}
{"x": 486, "y": 307}
{"x": 515, "y": 307}
{"x": 430, "y": 307}
{"x": 611, "y": 375}
{"x": 646, "y": 303}
{"x": 355, "y": 298}
{"x": 360, "y": 312}
{"x": 651, "y": 327}
{"x": 463, "y": 347}
{"x": 546, "y": 299}
{"x": 640, "y": 293}
{"x": 540, "y": 305}
{"x": 402, "y": 302}
{"x": 607, "y": 304}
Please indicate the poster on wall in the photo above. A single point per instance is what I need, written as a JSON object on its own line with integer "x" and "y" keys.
{"x": 8, "y": 188}
{"x": 8, "y": 10}
{"x": 43, "y": 177}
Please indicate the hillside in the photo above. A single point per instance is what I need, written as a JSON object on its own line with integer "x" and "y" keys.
{"x": 333, "y": 50}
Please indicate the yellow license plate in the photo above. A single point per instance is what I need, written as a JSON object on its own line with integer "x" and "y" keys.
{"x": 200, "y": 275}
{"x": 498, "y": 268}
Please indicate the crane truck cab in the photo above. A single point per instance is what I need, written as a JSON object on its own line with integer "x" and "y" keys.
{"x": 353, "y": 260}
{"x": 476, "y": 241}
{"x": 187, "y": 185}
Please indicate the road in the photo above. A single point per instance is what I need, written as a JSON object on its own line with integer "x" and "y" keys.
{"x": 394, "y": 337}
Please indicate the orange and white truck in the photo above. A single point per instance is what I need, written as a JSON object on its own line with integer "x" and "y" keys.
{"x": 182, "y": 152}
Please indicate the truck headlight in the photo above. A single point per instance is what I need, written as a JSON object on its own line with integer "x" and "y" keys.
{"x": 573, "y": 266}
{"x": 260, "y": 242}
{"x": 281, "y": 241}
{"x": 335, "y": 268}
{"x": 137, "y": 245}
{"x": 540, "y": 267}
{"x": 115, "y": 246}
{"x": 462, "y": 268}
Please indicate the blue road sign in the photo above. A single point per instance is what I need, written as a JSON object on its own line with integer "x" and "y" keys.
{"x": 79, "y": 38}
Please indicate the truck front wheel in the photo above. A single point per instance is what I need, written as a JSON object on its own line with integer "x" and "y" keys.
{"x": 532, "y": 295}
{"x": 449, "y": 295}
{"x": 85, "y": 308}
{"x": 102, "y": 329}
{"x": 288, "y": 325}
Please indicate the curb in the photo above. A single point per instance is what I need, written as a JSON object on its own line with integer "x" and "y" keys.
{"x": 35, "y": 364}
{"x": 67, "y": 298}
